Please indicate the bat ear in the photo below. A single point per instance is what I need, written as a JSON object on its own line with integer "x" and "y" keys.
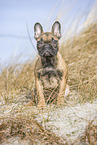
{"x": 56, "y": 29}
{"x": 38, "y": 30}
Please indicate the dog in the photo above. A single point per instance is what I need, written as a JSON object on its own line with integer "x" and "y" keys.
{"x": 50, "y": 69}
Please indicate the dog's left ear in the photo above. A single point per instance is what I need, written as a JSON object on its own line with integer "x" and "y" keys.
{"x": 38, "y": 30}
{"x": 56, "y": 29}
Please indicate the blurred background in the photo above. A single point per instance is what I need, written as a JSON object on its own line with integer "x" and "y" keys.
{"x": 17, "y": 19}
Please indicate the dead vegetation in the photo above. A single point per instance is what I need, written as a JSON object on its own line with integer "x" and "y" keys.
{"x": 90, "y": 135}
{"x": 27, "y": 129}
{"x": 80, "y": 53}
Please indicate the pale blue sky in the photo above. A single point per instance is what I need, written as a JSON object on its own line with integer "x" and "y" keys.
{"x": 14, "y": 14}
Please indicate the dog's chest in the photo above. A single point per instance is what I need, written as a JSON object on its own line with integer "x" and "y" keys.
{"x": 50, "y": 77}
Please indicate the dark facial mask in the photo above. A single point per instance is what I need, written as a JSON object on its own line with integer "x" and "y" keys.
{"x": 47, "y": 49}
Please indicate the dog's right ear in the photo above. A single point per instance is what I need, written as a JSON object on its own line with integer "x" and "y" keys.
{"x": 38, "y": 30}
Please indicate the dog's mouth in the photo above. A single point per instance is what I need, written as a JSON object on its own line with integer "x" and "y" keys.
{"x": 47, "y": 54}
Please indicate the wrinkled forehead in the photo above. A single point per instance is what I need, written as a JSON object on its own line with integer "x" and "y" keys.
{"x": 47, "y": 37}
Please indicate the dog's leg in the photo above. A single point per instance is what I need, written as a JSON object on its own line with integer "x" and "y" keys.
{"x": 41, "y": 100}
{"x": 60, "y": 99}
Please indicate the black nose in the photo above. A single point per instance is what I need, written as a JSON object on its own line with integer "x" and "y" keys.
{"x": 47, "y": 45}
{"x": 47, "y": 54}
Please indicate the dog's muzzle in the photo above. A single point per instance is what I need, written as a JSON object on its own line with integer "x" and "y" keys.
{"x": 47, "y": 49}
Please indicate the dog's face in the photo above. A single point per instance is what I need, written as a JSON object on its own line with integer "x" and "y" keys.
{"x": 47, "y": 43}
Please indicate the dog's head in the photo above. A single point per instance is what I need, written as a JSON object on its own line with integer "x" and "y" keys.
{"x": 47, "y": 43}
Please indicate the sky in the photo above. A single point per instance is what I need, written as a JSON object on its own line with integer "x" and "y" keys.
{"x": 17, "y": 19}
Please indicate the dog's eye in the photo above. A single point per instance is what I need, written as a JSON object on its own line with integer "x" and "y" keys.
{"x": 40, "y": 43}
{"x": 41, "y": 39}
{"x": 52, "y": 38}
{"x": 54, "y": 43}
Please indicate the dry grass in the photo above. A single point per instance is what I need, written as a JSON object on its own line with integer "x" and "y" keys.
{"x": 27, "y": 128}
{"x": 17, "y": 79}
{"x": 80, "y": 54}
{"x": 90, "y": 136}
